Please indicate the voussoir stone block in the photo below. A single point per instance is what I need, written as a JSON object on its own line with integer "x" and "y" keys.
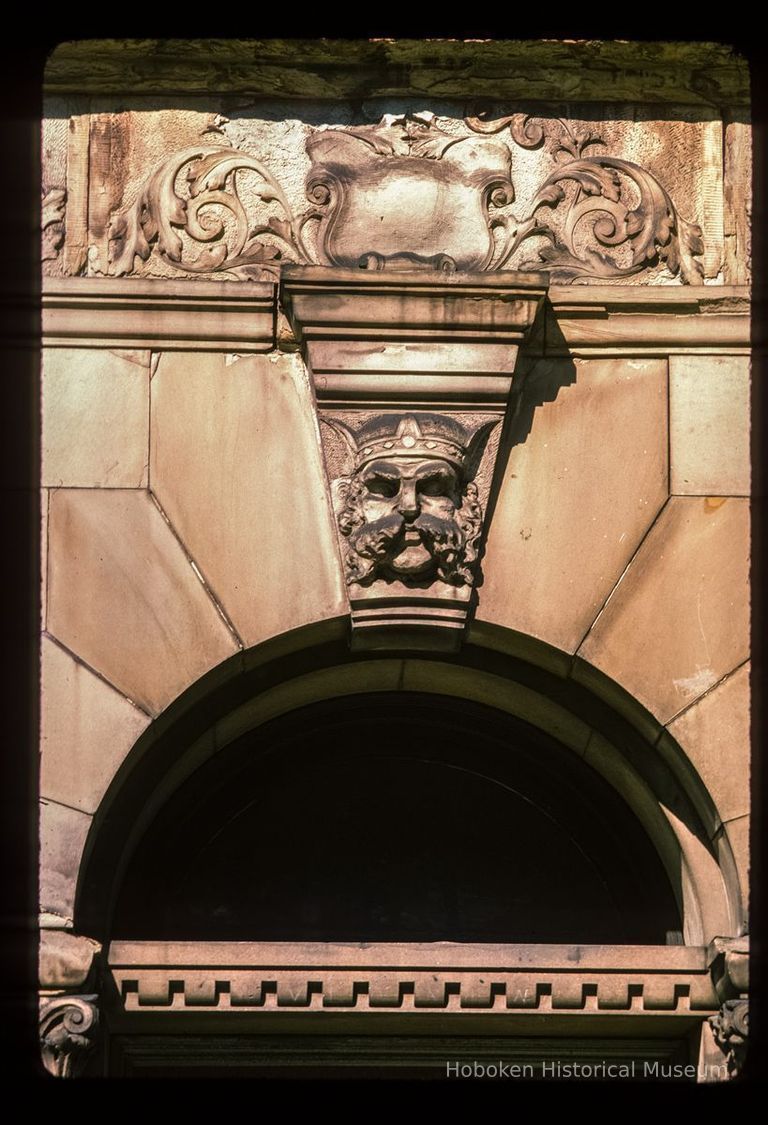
{"x": 714, "y": 733}
{"x": 709, "y": 424}
{"x": 63, "y": 832}
{"x": 124, "y": 598}
{"x": 679, "y": 619}
{"x": 95, "y": 418}
{"x": 236, "y": 463}
{"x": 579, "y": 492}
{"x": 87, "y": 730}
{"x": 738, "y": 836}
{"x": 43, "y": 555}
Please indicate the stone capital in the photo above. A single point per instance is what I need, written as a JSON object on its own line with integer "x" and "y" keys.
{"x": 730, "y": 1027}
{"x": 68, "y": 1026}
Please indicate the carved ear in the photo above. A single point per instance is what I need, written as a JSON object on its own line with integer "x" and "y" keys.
{"x": 343, "y": 430}
{"x": 339, "y": 445}
{"x": 476, "y": 447}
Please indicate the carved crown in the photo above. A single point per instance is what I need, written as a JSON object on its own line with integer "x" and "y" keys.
{"x": 408, "y": 435}
{"x": 396, "y": 435}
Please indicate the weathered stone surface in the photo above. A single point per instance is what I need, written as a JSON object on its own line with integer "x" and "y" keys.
{"x": 75, "y": 251}
{"x": 738, "y": 835}
{"x": 695, "y": 73}
{"x": 62, "y": 838}
{"x": 737, "y": 186}
{"x": 65, "y": 959}
{"x": 567, "y": 522}
{"x": 611, "y": 764}
{"x": 714, "y": 733}
{"x": 709, "y": 424}
{"x": 707, "y": 910}
{"x": 95, "y": 419}
{"x": 87, "y": 729}
{"x": 679, "y": 619}
{"x": 124, "y": 598}
{"x": 43, "y": 555}
{"x": 423, "y": 675}
{"x": 237, "y": 466}
{"x": 325, "y": 683}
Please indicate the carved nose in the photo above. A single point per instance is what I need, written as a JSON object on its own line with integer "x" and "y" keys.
{"x": 408, "y": 505}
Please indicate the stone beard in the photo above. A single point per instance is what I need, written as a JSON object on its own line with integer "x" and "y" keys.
{"x": 411, "y": 518}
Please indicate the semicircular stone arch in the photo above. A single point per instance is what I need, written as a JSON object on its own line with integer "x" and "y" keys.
{"x": 563, "y": 703}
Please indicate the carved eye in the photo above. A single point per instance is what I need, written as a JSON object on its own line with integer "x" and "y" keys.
{"x": 435, "y": 486}
{"x": 380, "y": 486}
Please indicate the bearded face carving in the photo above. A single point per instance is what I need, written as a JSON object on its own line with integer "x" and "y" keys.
{"x": 409, "y": 512}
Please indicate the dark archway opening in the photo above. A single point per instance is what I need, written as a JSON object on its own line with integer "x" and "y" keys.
{"x": 397, "y": 817}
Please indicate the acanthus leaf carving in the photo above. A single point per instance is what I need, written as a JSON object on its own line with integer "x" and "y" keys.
{"x": 52, "y": 223}
{"x": 160, "y": 212}
{"x": 406, "y": 194}
{"x": 615, "y": 203}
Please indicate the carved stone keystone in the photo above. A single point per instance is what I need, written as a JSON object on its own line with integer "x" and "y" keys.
{"x": 68, "y": 1026}
{"x": 412, "y": 373}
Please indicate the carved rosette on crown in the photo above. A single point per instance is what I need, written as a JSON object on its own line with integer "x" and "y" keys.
{"x": 68, "y": 1027}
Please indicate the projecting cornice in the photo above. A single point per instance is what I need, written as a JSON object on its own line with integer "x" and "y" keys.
{"x": 217, "y": 315}
{"x": 227, "y": 977}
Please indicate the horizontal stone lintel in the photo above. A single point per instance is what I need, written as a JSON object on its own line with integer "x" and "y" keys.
{"x": 633, "y": 319}
{"x": 109, "y": 313}
{"x": 240, "y": 317}
{"x": 235, "y": 976}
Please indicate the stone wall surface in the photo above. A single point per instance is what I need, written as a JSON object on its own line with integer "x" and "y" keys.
{"x": 573, "y": 508}
{"x": 103, "y": 150}
{"x": 187, "y": 506}
{"x": 236, "y": 466}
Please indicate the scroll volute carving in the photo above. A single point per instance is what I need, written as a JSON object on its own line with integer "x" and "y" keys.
{"x": 68, "y": 1027}
{"x": 52, "y": 223}
{"x": 730, "y": 1027}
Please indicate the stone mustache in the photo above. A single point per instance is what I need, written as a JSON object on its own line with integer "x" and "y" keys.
{"x": 410, "y": 512}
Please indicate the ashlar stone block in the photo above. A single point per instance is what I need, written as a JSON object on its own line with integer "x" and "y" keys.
{"x": 124, "y": 597}
{"x": 709, "y": 425}
{"x": 714, "y": 733}
{"x": 579, "y": 492}
{"x": 95, "y": 418}
{"x": 87, "y": 730}
{"x": 63, "y": 832}
{"x": 237, "y": 465}
{"x": 738, "y": 836}
{"x": 679, "y": 619}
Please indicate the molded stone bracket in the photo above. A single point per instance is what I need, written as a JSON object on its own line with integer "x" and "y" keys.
{"x": 413, "y": 373}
